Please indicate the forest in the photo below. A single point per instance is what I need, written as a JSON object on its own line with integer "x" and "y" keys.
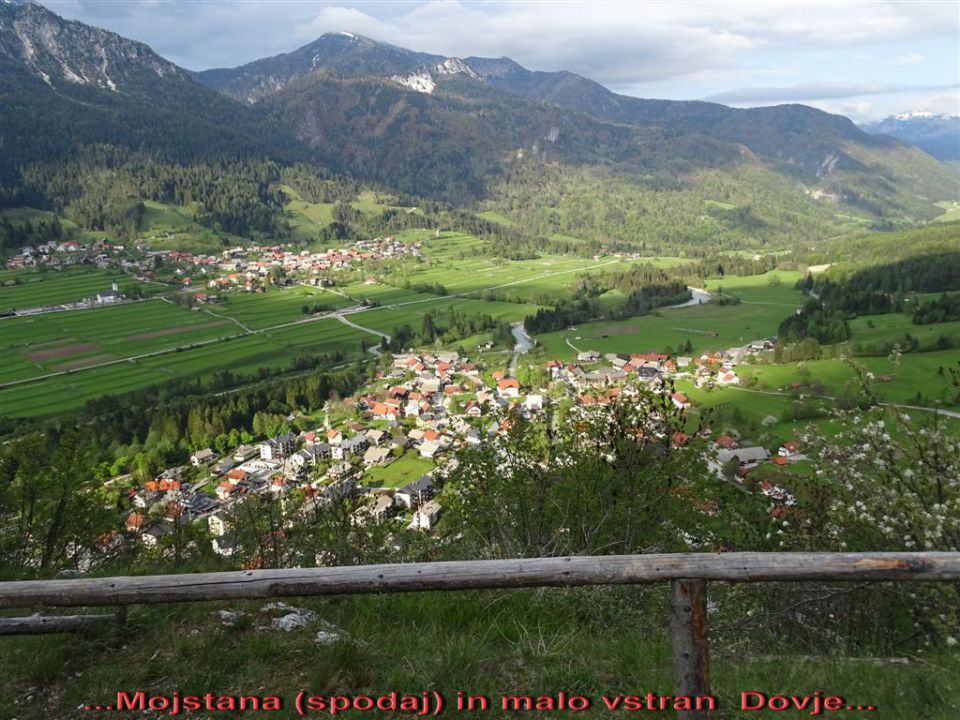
{"x": 873, "y": 290}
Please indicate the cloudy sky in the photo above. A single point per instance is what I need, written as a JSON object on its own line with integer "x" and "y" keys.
{"x": 863, "y": 59}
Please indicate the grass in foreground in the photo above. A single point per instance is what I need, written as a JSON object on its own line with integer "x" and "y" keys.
{"x": 587, "y": 641}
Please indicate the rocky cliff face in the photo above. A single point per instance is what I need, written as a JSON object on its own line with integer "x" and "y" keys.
{"x": 60, "y": 51}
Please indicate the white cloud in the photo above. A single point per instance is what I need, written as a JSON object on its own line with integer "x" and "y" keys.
{"x": 908, "y": 59}
{"x": 816, "y": 91}
{"x": 651, "y": 49}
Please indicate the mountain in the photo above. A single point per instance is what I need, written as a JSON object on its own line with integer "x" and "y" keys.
{"x": 64, "y": 84}
{"x": 341, "y": 52}
{"x": 387, "y": 113}
{"x": 485, "y": 132}
{"x": 936, "y": 133}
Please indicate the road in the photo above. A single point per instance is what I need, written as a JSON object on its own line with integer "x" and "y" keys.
{"x": 338, "y": 314}
{"x": 375, "y": 349}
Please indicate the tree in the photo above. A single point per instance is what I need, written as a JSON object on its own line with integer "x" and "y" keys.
{"x": 599, "y": 482}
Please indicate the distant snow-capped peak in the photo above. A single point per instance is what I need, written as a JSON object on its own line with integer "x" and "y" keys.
{"x": 921, "y": 115}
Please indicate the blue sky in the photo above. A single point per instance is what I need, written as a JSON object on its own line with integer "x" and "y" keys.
{"x": 862, "y": 59}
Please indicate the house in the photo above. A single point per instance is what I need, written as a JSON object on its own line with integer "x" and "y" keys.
{"x": 135, "y": 522}
{"x": 225, "y": 489}
{"x": 278, "y": 448}
{"x": 726, "y": 442}
{"x": 533, "y": 403}
{"x": 789, "y": 450}
{"x": 376, "y": 455}
{"x": 647, "y": 373}
{"x": 416, "y": 493}
{"x": 223, "y": 466}
{"x": 509, "y": 387}
{"x": 334, "y": 437}
{"x": 376, "y": 512}
{"x": 382, "y": 411}
{"x": 200, "y": 504}
{"x": 680, "y": 401}
{"x": 236, "y": 476}
{"x": 303, "y": 458}
{"x": 588, "y": 356}
{"x": 426, "y": 516}
{"x": 554, "y": 367}
{"x": 430, "y": 448}
{"x": 244, "y": 452}
{"x": 745, "y": 456}
{"x": 202, "y": 457}
{"x": 152, "y": 537}
{"x": 348, "y": 448}
{"x": 726, "y": 376}
{"x": 340, "y": 470}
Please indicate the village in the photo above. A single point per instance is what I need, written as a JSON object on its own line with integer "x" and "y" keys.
{"x": 241, "y": 268}
{"x": 400, "y": 439}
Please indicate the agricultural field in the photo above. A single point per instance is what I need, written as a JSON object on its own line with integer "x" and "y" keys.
{"x": 385, "y": 295}
{"x": 54, "y": 342}
{"x": 36, "y": 289}
{"x": 765, "y": 301}
{"x": 276, "y": 306}
{"x": 460, "y": 272}
{"x": 227, "y": 351}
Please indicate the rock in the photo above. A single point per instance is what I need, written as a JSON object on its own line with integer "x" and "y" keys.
{"x": 293, "y": 621}
{"x": 277, "y": 607}
{"x": 230, "y": 617}
{"x": 329, "y": 634}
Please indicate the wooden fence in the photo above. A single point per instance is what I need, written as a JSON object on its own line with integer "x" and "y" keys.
{"x": 688, "y": 575}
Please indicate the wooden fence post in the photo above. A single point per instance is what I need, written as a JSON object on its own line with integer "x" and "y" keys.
{"x": 49, "y": 624}
{"x": 688, "y": 627}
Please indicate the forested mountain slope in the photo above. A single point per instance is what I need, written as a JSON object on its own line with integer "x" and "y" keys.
{"x": 64, "y": 84}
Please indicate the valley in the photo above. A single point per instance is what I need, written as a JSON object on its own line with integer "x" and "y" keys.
{"x": 355, "y": 304}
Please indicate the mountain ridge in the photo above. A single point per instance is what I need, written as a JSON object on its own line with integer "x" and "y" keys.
{"x": 64, "y": 84}
{"x": 344, "y": 102}
{"x": 938, "y": 134}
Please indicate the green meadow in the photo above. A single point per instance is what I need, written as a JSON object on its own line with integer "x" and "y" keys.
{"x": 274, "y": 349}
{"x": 399, "y": 472}
{"x": 52, "y": 287}
{"x": 765, "y": 301}
{"x": 275, "y": 306}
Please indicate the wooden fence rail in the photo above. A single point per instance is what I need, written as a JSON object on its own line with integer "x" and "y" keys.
{"x": 687, "y": 573}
